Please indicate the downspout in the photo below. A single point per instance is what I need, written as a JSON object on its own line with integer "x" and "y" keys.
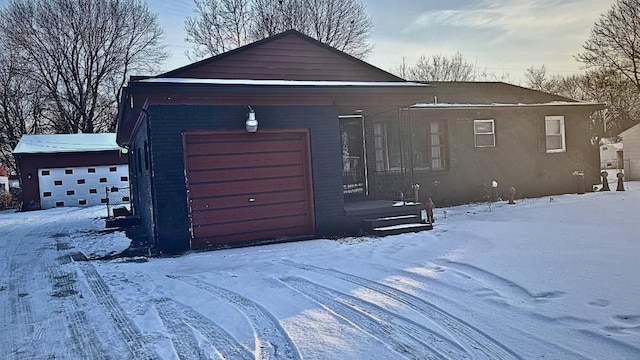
{"x": 400, "y": 140}
{"x": 410, "y": 144}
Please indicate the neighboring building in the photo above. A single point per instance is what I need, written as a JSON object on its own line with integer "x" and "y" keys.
{"x": 4, "y": 178}
{"x": 335, "y": 138}
{"x": 612, "y": 158}
{"x": 631, "y": 142}
{"x": 70, "y": 170}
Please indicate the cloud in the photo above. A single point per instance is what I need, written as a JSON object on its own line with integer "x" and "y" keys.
{"x": 512, "y": 16}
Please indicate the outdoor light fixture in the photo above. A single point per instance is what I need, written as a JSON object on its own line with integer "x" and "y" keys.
{"x": 251, "y": 123}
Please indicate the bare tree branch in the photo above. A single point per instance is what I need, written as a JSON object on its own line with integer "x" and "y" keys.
{"x": 81, "y": 53}
{"x": 222, "y": 25}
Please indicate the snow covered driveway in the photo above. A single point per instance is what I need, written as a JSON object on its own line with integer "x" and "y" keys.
{"x": 553, "y": 278}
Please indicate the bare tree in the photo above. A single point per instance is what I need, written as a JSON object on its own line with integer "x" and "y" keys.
{"x": 81, "y": 53}
{"x": 219, "y": 26}
{"x": 222, "y": 25}
{"x": 21, "y": 105}
{"x": 439, "y": 68}
{"x": 609, "y": 87}
{"x": 614, "y": 43}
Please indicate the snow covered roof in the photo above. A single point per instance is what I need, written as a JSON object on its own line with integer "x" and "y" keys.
{"x": 281, "y": 82}
{"x": 494, "y": 105}
{"x": 56, "y": 143}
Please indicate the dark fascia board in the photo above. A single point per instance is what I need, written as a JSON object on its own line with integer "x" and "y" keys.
{"x": 151, "y": 93}
{"x": 307, "y": 38}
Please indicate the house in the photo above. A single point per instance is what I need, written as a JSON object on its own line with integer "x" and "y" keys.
{"x": 631, "y": 142}
{"x": 612, "y": 158}
{"x": 288, "y": 138}
{"x": 4, "y": 178}
{"x": 71, "y": 170}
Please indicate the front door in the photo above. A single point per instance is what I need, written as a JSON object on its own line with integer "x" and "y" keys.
{"x": 354, "y": 179}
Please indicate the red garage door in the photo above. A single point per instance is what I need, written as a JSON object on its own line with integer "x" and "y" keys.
{"x": 243, "y": 187}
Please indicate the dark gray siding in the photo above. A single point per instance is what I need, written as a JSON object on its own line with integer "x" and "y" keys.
{"x": 167, "y": 123}
{"x": 517, "y": 159}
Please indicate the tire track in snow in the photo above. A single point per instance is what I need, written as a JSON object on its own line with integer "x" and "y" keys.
{"x": 181, "y": 335}
{"x": 83, "y": 337}
{"x": 403, "y": 336}
{"x": 131, "y": 336}
{"x": 272, "y": 342}
{"x": 492, "y": 283}
{"x": 474, "y": 340}
{"x": 180, "y": 318}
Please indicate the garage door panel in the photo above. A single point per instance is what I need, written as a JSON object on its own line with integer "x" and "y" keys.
{"x": 200, "y": 242}
{"x": 217, "y": 230}
{"x": 239, "y": 137}
{"x": 231, "y": 148}
{"x": 248, "y": 213}
{"x": 246, "y": 187}
{"x": 243, "y": 160}
{"x": 256, "y": 173}
{"x": 212, "y": 203}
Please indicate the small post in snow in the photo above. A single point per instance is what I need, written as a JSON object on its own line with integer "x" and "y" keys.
{"x": 620, "y": 182}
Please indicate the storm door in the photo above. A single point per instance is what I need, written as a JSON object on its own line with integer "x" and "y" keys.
{"x": 354, "y": 179}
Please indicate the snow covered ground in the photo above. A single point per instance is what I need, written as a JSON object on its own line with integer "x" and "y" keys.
{"x": 552, "y": 278}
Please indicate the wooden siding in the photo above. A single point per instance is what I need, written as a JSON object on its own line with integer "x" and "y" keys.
{"x": 289, "y": 57}
{"x": 243, "y": 187}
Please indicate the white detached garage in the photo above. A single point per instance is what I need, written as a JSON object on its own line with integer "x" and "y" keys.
{"x": 71, "y": 170}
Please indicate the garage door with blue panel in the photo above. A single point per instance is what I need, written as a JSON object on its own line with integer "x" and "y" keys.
{"x": 245, "y": 187}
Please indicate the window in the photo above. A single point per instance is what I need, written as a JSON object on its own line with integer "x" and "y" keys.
{"x": 554, "y": 131}
{"x": 82, "y": 202}
{"x": 113, "y": 169}
{"x": 427, "y": 139}
{"x": 93, "y": 191}
{"x": 57, "y": 183}
{"x": 91, "y": 170}
{"x": 71, "y": 192}
{"x": 45, "y": 173}
{"x": 46, "y": 194}
{"x": 81, "y": 181}
{"x": 59, "y": 203}
{"x": 484, "y": 133}
{"x": 103, "y": 180}
{"x": 124, "y": 178}
{"x": 68, "y": 171}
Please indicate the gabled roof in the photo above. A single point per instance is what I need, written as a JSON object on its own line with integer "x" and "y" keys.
{"x": 290, "y": 55}
{"x": 65, "y": 143}
{"x": 631, "y": 132}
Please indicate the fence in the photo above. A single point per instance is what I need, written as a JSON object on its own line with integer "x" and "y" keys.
{"x": 118, "y": 201}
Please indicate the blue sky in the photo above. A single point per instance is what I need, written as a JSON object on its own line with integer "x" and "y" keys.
{"x": 502, "y": 36}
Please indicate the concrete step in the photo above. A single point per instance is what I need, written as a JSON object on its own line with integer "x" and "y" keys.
{"x": 392, "y": 220}
{"x": 401, "y": 229}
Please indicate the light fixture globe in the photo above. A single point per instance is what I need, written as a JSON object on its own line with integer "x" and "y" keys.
{"x": 251, "y": 123}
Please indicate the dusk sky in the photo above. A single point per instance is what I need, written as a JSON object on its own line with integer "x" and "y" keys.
{"x": 501, "y": 36}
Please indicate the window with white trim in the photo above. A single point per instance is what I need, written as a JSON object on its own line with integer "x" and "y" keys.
{"x": 484, "y": 133}
{"x": 555, "y": 134}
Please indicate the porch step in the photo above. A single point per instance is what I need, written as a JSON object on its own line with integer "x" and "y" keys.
{"x": 401, "y": 229}
{"x": 392, "y": 221}
{"x": 397, "y": 224}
